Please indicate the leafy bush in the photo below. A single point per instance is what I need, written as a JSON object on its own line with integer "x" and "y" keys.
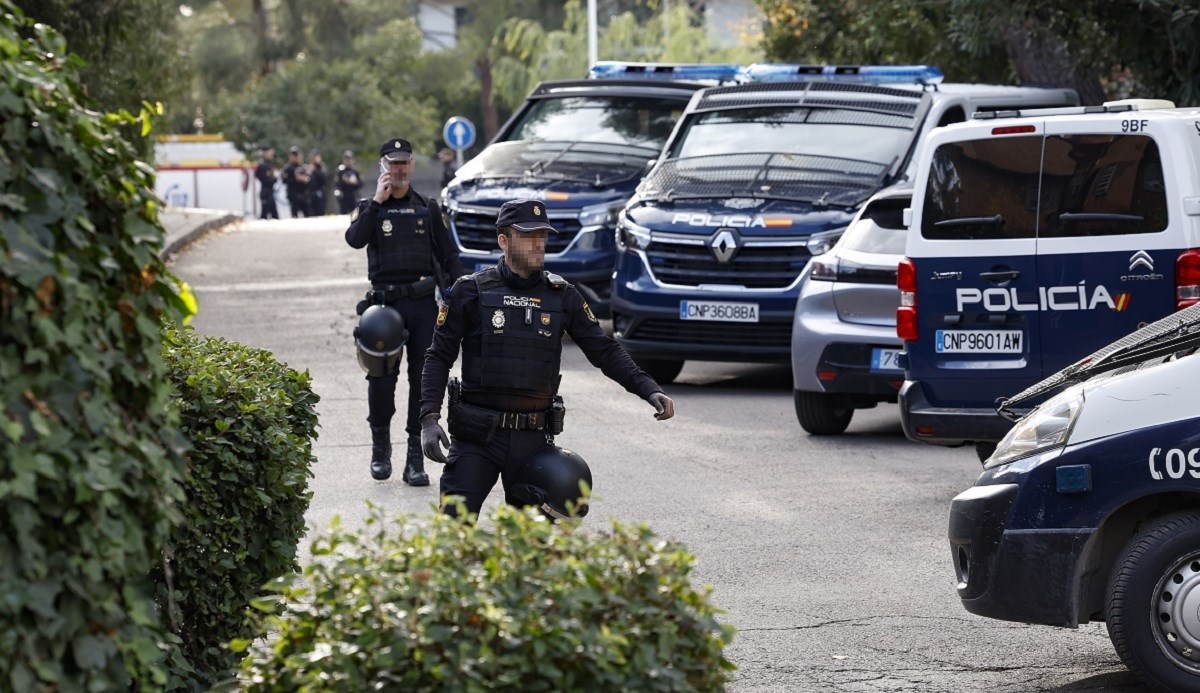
{"x": 88, "y": 478}
{"x": 250, "y": 420}
{"x": 522, "y": 604}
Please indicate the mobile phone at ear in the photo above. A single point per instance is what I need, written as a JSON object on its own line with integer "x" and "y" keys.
{"x": 382, "y": 167}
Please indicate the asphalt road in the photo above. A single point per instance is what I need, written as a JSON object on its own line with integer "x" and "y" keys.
{"x": 829, "y": 555}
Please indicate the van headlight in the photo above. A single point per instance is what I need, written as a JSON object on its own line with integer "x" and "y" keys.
{"x": 1048, "y": 426}
{"x": 631, "y": 235}
{"x": 600, "y": 215}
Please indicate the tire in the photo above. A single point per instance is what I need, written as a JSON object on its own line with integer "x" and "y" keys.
{"x": 1153, "y": 582}
{"x": 662, "y": 370}
{"x": 819, "y": 413}
{"x": 984, "y": 450}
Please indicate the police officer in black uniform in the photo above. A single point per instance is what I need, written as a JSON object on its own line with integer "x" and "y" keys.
{"x": 510, "y": 320}
{"x": 346, "y": 182}
{"x": 408, "y": 250}
{"x": 315, "y": 187}
{"x": 264, "y": 172}
{"x": 295, "y": 181}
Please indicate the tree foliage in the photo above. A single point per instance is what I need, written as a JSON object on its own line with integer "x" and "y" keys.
{"x": 130, "y": 48}
{"x": 1101, "y": 48}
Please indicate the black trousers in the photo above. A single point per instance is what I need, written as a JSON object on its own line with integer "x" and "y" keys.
{"x": 346, "y": 202}
{"x": 269, "y": 211}
{"x": 420, "y": 315}
{"x": 473, "y": 469}
{"x": 299, "y": 204}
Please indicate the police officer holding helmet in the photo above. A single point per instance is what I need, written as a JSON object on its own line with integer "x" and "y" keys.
{"x": 408, "y": 250}
{"x": 509, "y": 321}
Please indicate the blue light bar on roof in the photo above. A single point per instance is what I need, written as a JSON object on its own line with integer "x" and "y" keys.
{"x": 611, "y": 69}
{"x": 862, "y": 74}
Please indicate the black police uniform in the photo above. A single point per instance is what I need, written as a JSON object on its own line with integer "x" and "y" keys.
{"x": 294, "y": 186}
{"x": 346, "y": 181}
{"x": 317, "y": 180}
{"x": 265, "y": 175}
{"x": 510, "y": 329}
{"x": 404, "y": 237}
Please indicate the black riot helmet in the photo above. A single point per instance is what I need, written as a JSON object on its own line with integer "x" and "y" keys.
{"x": 549, "y": 479}
{"x": 380, "y": 339}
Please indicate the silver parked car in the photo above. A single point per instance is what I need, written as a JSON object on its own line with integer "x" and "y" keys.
{"x": 844, "y": 343}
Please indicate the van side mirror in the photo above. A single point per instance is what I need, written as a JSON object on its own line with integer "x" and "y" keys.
{"x": 907, "y": 218}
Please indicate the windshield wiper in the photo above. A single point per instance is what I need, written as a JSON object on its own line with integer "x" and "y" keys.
{"x": 994, "y": 220}
{"x": 1099, "y": 216}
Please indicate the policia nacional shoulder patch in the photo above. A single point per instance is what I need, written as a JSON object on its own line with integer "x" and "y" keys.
{"x": 588, "y": 309}
{"x": 442, "y": 313}
{"x": 354, "y": 214}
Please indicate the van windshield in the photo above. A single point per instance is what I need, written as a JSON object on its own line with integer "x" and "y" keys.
{"x": 879, "y": 138}
{"x": 629, "y": 120}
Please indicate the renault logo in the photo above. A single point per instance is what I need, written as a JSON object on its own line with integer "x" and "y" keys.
{"x": 724, "y": 245}
{"x": 1141, "y": 259}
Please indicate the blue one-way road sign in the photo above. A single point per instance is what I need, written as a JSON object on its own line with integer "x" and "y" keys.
{"x": 459, "y": 133}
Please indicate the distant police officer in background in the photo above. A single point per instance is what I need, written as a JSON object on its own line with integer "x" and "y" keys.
{"x": 510, "y": 320}
{"x": 346, "y": 183}
{"x": 295, "y": 181}
{"x": 408, "y": 249}
{"x": 264, "y": 172}
{"x": 315, "y": 187}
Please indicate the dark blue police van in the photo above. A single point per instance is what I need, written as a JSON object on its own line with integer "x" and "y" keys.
{"x": 1089, "y": 509}
{"x": 580, "y": 146}
{"x": 755, "y": 180}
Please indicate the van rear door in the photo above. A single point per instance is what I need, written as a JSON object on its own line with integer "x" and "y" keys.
{"x": 1105, "y": 261}
{"x": 976, "y": 269}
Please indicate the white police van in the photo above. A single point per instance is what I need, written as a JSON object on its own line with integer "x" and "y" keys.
{"x": 1089, "y": 509}
{"x": 1036, "y": 237}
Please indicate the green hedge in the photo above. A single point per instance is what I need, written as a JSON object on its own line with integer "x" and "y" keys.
{"x": 88, "y": 477}
{"x": 251, "y": 421}
{"x": 515, "y": 602}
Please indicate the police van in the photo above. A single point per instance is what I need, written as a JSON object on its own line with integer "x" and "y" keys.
{"x": 580, "y": 146}
{"x": 1089, "y": 509}
{"x": 755, "y": 180}
{"x": 1034, "y": 238}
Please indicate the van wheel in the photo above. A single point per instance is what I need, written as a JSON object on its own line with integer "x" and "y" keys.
{"x": 1152, "y": 603}
{"x": 984, "y": 450}
{"x": 662, "y": 370}
{"x": 819, "y": 413}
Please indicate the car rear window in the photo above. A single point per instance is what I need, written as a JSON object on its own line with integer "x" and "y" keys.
{"x": 880, "y": 229}
{"x": 983, "y": 189}
{"x": 1101, "y": 185}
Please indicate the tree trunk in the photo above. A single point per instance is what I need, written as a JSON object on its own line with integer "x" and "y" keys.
{"x": 259, "y": 22}
{"x": 483, "y": 68}
{"x": 1044, "y": 60}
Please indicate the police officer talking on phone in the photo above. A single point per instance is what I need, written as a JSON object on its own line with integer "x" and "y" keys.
{"x": 510, "y": 320}
{"x": 409, "y": 252}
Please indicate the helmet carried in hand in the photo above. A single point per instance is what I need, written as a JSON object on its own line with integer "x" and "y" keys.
{"x": 550, "y": 479}
{"x": 379, "y": 339}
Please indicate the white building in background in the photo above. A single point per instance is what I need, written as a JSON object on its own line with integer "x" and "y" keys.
{"x": 438, "y": 22}
{"x": 727, "y": 21}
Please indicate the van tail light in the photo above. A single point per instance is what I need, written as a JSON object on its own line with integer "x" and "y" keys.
{"x": 1187, "y": 279}
{"x": 906, "y": 314}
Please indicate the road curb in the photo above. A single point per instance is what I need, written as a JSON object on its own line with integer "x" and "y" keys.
{"x": 175, "y": 243}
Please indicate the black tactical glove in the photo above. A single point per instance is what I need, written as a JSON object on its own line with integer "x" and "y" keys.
{"x": 433, "y": 437}
{"x": 664, "y": 407}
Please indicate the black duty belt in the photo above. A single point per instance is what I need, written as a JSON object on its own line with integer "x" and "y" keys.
{"x": 534, "y": 420}
{"x": 386, "y": 293}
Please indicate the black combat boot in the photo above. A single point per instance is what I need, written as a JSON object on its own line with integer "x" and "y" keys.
{"x": 381, "y": 452}
{"x": 414, "y": 466}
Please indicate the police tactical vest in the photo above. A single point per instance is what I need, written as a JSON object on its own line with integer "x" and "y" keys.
{"x": 520, "y": 337}
{"x": 401, "y": 250}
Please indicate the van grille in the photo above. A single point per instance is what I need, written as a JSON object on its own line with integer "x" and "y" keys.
{"x": 477, "y": 231}
{"x": 774, "y": 267}
{"x": 759, "y": 334}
